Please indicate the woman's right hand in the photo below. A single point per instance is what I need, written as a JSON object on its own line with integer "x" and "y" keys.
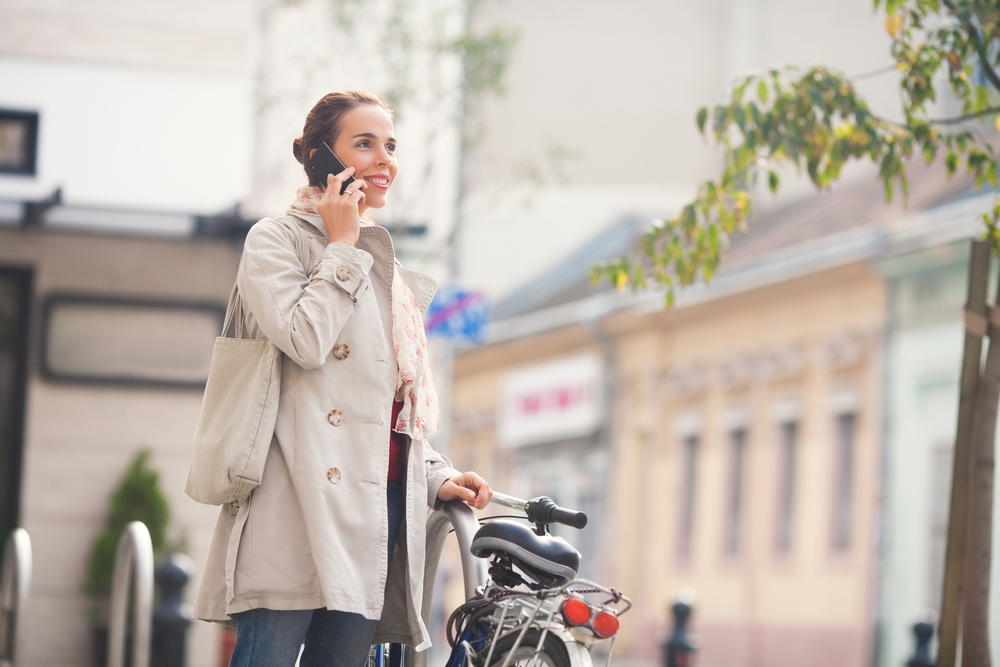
{"x": 340, "y": 212}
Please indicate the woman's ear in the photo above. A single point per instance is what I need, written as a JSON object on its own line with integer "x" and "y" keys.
{"x": 311, "y": 153}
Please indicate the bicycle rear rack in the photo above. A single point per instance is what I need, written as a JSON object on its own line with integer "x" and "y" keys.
{"x": 455, "y": 514}
{"x": 135, "y": 552}
{"x": 15, "y": 582}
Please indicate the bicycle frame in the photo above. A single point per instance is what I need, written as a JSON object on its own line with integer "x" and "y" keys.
{"x": 454, "y": 514}
{"x": 542, "y": 614}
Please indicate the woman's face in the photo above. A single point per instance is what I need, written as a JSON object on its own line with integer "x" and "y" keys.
{"x": 366, "y": 143}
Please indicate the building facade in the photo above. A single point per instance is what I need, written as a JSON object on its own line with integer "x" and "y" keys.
{"x": 778, "y": 441}
{"x": 740, "y": 459}
{"x": 927, "y": 291}
{"x": 138, "y": 140}
{"x": 124, "y": 126}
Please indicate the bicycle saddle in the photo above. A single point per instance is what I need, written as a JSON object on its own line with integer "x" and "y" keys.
{"x": 550, "y": 559}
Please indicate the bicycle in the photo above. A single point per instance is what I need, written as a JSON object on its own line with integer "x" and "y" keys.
{"x": 531, "y": 609}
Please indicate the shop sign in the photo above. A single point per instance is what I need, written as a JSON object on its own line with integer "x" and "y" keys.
{"x": 552, "y": 401}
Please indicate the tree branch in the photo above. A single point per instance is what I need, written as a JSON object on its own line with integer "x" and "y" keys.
{"x": 969, "y": 116}
{"x": 980, "y": 46}
{"x": 878, "y": 72}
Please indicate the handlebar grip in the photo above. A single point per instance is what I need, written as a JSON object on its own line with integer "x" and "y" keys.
{"x": 543, "y": 511}
{"x": 569, "y": 517}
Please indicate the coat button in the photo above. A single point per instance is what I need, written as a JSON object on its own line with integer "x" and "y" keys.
{"x": 343, "y": 273}
{"x": 336, "y": 417}
{"x": 333, "y": 475}
{"x": 315, "y": 271}
{"x": 341, "y": 351}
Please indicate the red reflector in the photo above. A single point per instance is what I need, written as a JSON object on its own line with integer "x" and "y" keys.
{"x": 605, "y": 624}
{"x": 576, "y": 612}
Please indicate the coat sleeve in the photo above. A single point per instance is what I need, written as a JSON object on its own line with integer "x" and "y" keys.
{"x": 301, "y": 313}
{"x": 439, "y": 470}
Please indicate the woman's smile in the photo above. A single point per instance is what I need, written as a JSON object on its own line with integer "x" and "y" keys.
{"x": 380, "y": 181}
{"x": 366, "y": 142}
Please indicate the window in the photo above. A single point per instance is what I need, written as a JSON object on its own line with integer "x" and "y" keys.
{"x": 18, "y": 142}
{"x": 96, "y": 339}
{"x": 689, "y": 469}
{"x": 734, "y": 503}
{"x": 784, "y": 522}
{"x": 843, "y": 500}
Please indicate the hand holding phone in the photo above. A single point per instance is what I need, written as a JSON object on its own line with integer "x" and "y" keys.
{"x": 325, "y": 162}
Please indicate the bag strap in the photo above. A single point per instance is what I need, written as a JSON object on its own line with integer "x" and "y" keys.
{"x": 234, "y": 315}
{"x": 234, "y": 310}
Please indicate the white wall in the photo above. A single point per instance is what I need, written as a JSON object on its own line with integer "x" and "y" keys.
{"x": 601, "y": 104}
{"x": 119, "y": 136}
{"x": 923, "y": 368}
{"x": 305, "y": 52}
{"x": 143, "y": 103}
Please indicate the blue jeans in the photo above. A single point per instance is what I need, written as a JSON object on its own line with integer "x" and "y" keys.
{"x": 272, "y": 638}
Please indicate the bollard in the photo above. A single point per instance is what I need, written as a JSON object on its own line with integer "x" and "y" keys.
{"x": 133, "y": 559}
{"x": 15, "y": 581}
{"x": 923, "y": 632}
{"x": 170, "y": 620}
{"x": 679, "y": 650}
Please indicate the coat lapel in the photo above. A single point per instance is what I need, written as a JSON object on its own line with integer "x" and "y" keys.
{"x": 377, "y": 241}
{"x": 421, "y": 284}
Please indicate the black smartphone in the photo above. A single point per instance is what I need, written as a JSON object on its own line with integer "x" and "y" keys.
{"x": 326, "y": 162}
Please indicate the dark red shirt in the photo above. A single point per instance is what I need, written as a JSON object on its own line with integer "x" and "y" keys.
{"x": 397, "y": 445}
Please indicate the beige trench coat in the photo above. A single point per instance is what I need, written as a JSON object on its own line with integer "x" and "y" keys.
{"x": 314, "y": 533}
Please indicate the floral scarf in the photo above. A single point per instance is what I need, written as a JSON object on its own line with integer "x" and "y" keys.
{"x": 414, "y": 384}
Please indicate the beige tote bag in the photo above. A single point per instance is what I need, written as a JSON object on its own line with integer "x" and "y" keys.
{"x": 237, "y": 416}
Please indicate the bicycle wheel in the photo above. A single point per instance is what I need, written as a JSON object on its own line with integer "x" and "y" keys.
{"x": 553, "y": 653}
{"x": 385, "y": 655}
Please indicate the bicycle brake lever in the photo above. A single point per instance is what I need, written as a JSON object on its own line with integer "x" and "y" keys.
{"x": 539, "y": 511}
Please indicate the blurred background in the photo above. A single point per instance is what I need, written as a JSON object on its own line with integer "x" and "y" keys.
{"x": 779, "y": 441}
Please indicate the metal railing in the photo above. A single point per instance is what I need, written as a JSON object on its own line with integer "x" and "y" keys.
{"x": 135, "y": 554}
{"x": 15, "y": 582}
{"x": 455, "y": 514}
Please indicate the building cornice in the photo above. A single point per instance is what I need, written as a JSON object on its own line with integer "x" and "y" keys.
{"x": 922, "y": 229}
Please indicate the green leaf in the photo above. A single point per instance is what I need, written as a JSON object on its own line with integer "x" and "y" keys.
{"x": 739, "y": 115}
{"x": 816, "y": 96}
{"x": 701, "y": 118}
{"x": 721, "y": 115}
{"x": 762, "y": 91}
{"x": 951, "y": 163}
{"x": 688, "y": 217}
{"x": 639, "y": 277}
{"x": 982, "y": 98}
{"x": 773, "y": 181}
{"x": 930, "y": 150}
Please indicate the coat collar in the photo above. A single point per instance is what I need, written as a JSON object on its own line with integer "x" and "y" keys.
{"x": 377, "y": 241}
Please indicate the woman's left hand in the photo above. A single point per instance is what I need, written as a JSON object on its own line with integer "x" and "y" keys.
{"x": 469, "y": 487}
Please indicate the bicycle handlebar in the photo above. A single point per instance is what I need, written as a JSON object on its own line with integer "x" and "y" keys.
{"x": 542, "y": 510}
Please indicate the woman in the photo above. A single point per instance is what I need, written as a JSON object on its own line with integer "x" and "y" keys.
{"x": 312, "y": 556}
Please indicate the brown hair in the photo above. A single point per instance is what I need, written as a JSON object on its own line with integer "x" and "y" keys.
{"x": 324, "y": 121}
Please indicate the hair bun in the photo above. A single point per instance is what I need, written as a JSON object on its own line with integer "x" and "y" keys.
{"x": 297, "y": 150}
